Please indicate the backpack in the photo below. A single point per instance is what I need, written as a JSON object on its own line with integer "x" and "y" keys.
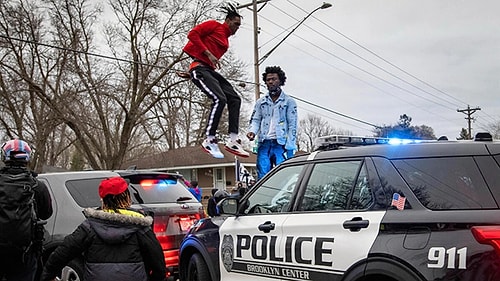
{"x": 17, "y": 209}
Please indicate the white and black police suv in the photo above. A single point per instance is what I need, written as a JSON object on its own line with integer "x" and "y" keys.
{"x": 382, "y": 212}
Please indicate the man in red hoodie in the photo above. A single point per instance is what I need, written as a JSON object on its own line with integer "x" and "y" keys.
{"x": 208, "y": 41}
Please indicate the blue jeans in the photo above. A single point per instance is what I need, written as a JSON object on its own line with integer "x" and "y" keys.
{"x": 269, "y": 155}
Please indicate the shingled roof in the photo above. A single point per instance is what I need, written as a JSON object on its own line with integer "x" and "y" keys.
{"x": 192, "y": 156}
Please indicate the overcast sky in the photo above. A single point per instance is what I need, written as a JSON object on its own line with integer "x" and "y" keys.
{"x": 376, "y": 60}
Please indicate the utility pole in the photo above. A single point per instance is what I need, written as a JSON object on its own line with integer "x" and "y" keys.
{"x": 256, "y": 50}
{"x": 256, "y": 60}
{"x": 255, "y": 42}
{"x": 469, "y": 111}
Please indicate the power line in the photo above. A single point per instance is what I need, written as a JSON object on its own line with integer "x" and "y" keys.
{"x": 383, "y": 59}
{"x": 334, "y": 119}
{"x": 373, "y": 64}
{"x": 363, "y": 81}
{"x": 371, "y": 74}
{"x": 151, "y": 65}
{"x": 103, "y": 56}
{"x": 380, "y": 57}
{"x": 328, "y": 52}
{"x": 338, "y": 113}
{"x": 157, "y": 66}
{"x": 395, "y": 66}
{"x": 77, "y": 51}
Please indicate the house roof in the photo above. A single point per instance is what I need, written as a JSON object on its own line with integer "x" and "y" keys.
{"x": 187, "y": 158}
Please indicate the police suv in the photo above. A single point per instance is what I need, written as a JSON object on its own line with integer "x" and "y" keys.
{"x": 382, "y": 212}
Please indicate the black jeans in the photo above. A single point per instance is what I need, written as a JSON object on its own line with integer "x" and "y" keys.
{"x": 220, "y": 91}
{"x": 13, "y": 269}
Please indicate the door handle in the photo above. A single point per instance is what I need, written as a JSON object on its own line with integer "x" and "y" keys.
{"x": 267, "y": 227}
{"x": 356, "y": 224}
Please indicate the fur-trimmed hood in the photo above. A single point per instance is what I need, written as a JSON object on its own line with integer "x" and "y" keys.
{"x": 115, "y": 227}
{"x": 117, "y": 217}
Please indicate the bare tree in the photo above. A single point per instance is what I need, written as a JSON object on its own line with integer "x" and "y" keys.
{"x": 21, "y": 63}
{"x": 404, "y": 129}
{"x": 73, "y": 105}
{"x": 313, "y": 127}
{"x": 494, "y": 129}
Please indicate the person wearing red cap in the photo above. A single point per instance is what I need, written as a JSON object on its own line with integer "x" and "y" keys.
{"x": 116, "y": 242}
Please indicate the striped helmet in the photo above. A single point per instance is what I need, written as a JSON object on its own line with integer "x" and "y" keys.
{"x": 16, "y": 150}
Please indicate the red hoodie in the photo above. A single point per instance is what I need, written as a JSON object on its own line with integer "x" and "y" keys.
{"x": 210, "y": 35}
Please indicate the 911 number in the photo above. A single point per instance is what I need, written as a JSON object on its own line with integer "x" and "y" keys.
{"x": 440, "y": 257}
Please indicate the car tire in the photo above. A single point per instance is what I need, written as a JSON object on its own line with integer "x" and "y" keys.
{"x": 73, "y": 271}
{"x": 197, "y": 269}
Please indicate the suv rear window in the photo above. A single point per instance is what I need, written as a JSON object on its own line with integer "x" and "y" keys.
{"x": 151, "y": 189}
{"x": 446, "y": 183}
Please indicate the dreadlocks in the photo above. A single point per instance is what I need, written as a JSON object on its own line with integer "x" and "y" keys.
{"x": 230, "y": 10}
{"x": 115, "y": 202}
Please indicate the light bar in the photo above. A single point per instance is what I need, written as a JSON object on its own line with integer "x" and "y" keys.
{"x": 335, "y": 141}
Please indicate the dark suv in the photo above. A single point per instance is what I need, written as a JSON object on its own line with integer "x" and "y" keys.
{"x": 389, "y": 211}
{"x": 161, "y": 195}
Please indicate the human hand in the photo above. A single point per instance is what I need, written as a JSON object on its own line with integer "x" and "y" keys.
{"x": 215, "y": 61}
{"x": 250, "y": 136}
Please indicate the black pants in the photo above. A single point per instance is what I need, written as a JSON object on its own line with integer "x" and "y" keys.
{"x": 13, "y": 269}
{"x": 220, "y": 91}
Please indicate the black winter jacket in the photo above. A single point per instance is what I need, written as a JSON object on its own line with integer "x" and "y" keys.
{"x": 42, "y": 195}
{"x": 11, "y": 259}
{"x": 116, "y": 246}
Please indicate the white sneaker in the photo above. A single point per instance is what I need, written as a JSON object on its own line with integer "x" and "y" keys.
{"x": 235, "y": 148}
{"x": 212, "y": 148}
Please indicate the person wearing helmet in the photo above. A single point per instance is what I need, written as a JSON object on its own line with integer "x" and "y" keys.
{"x": 19, "y": 262}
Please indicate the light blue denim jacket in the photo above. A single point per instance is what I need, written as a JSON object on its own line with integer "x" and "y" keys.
{"x": 285, "y": 120}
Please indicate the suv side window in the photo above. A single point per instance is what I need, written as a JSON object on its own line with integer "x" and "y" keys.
{"x": 330, "y": 186}
{"x": 446, "y": 183}
{"x": 85, "y": 192}
{"x": 274, "y": 195}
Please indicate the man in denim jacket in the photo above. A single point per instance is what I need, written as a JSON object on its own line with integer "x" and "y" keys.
{"x": 274, "y": 122}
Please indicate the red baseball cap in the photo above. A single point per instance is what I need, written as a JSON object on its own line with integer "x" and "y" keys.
{"x": 113, "y": 186}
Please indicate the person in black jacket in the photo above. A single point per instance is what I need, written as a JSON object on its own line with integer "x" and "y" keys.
{"x": 217, "y": 196}
{"x": 20, "y": 264}
{"x": 212, "y": 204}
{"x": 117, "y": 243}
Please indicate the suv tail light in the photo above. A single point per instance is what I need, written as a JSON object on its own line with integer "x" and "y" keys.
{"x": 488, "y": 235}
{"x": 169, "y": 231}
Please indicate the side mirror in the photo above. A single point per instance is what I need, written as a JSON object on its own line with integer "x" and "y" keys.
{"x": 228, "y": 206}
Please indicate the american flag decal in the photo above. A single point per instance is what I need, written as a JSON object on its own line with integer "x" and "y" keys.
{"x": 398, "y": 201}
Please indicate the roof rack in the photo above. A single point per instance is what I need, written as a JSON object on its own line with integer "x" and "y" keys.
{"x": 335, "y": 141}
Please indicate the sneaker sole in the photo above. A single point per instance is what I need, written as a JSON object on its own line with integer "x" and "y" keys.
{"x": 208, "y": 151}
{"x": 235, "y": 152}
